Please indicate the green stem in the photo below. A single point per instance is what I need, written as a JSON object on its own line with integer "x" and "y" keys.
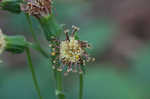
{"x": 52, "y": 29}
{"x": 59, "y": 86}
{"x": 35, "y": 38}
{"x": 81, "y": 86}
{"x": 33, "y": 73}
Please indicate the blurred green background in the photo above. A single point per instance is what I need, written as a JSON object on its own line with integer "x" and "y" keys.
{"x": 104, "y": 80}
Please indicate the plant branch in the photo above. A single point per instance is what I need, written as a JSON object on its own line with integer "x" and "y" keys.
{"x": 59, "y": 87}
{"x": 52, "y": 29}
{"x": 38, "y": 46}
{"x": 33, "y": 73}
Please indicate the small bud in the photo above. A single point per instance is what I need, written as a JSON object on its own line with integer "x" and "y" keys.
{"x": 11, "y": 6}
{"x": 14, "y": 44}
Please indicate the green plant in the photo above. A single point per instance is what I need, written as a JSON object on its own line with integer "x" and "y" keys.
{"x": 66, "y": 56}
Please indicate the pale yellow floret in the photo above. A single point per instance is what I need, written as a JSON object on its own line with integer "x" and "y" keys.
{"x": 2, "y": 42}
{"x": 71, "y": 50}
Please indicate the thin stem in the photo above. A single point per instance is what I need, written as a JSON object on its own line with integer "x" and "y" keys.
{"x": 81, "y": 86}
{"x": 59, "y": 86}
{"x": 51, "y": 29}
{"x": 33, "y": 73}
{"x": 35, "y": 38}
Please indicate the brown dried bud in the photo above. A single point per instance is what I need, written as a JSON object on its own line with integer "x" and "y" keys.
{"x": 37, "y": 8}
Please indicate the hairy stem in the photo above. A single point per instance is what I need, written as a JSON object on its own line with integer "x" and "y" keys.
{"x": 38, "y": 46}
{"x": 33, "y": 73}
{"x": 81, "y": 86}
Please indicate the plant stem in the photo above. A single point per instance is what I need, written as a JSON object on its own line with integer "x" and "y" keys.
{"x": 35, "y": 38}
{"x": 59, "y": 87}
{"x": 81, "y": 86}
{"x": 52, "y": 29}
{"x": 33, "y": 73}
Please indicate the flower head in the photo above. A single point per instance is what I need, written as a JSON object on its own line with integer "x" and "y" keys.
{"x": 37, "y": 8}
{"x": 72, "y": 52}
{"x": 2, "y": 42}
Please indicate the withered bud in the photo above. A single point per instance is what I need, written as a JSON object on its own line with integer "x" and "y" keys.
{"x": 37, "y": 8}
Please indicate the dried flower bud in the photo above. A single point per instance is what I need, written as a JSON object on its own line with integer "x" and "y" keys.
{"x": 37, "y": 8}
{"x": 72, "y": 52}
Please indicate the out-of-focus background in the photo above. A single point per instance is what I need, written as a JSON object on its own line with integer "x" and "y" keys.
{"x": 119, "y": 31}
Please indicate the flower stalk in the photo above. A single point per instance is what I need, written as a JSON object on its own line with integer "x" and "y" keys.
{"x": 41, "y": 10}
{"x": 37, "y": 44}
{"x": 52, "y": 31}
{"x": 18, "y": 44}
{"x": 59, "y": 87}
{"x": 50, "y": 27}
{"x": 33, "y": 73}
{"x": 69, "y": 54}
{"x": 81, "y": 86}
